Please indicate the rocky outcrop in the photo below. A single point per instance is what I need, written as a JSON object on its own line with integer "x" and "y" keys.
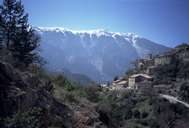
{"x": 86, "y": 116}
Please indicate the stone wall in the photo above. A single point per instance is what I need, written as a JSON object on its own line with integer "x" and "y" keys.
{"x": 163, "y": 60}
{"x": 131, "y": 82}
{"x": 184, "y": 55}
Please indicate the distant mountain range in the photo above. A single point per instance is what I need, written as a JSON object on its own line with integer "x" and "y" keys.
{"x": 97, "y": 54}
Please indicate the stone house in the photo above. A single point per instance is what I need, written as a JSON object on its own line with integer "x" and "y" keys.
{"x": 148, "y": 57}
{"x": 163, "y": 59}
{"x": 184, "y": 55}
{"x": 150, "y": 70}
{"x": 182, "y": 52}
{"x": 140, "y": 65}
{"x": 103, "y": 85}
{"x": 138, "y": 79}
{"x": 122, "y": 83}
{"x": 119, "y": 84}
{"x": 144, "y": 63}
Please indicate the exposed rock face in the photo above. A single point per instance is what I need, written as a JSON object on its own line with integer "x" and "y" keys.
{"x": 22, "y": 91}
{"x": 86, "y": 115}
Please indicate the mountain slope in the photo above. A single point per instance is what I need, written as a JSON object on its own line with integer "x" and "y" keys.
{"x": 98, "y": 54}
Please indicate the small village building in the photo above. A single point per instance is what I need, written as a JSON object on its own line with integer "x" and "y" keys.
{"x": 138, "y": 79}
{"x": 119, "y": 84}
{"x": 148, "y": 57}
{"x": 140, "y": 65}
{"x": 163, "y": 59}
{"x": 144, "y": 63}
{"x": 116, "y": 81}
{"x": 182, "y": 52}
{"x": 150, "y": 70}
{"x": 184, "y": 55}
{"x": 122, "y": 83}
{"x": 103, "y": 85}
{"x": 149, "y": 62}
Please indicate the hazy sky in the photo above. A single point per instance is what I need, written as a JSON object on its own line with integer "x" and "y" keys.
{"x": 163, "y": 21}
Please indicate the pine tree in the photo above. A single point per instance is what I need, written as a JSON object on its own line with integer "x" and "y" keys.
{"x": 1, "y": 33}
{"x": 9, "y": 23}
{"x": 24, "y": 46}
{"x": 20, "y": 38}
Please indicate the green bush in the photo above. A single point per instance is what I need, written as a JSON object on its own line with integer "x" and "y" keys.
{"x": 184, "y": 91}
{"x": 136, "y": 114}
{"x": 144, "y": 114}
{"x": 33, "y": 118}
{"x": 62, "y": 81}
{"x": 93, "y": 93}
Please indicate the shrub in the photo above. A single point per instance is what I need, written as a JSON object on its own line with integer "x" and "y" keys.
{"x": 62, "y": 81}
{"x": 144, "y": 114}
{"x": 136, "y": 114}
{"x": 184, "y": 91}
{"x": 33, "y": 118}
{"x": 92, "y": 93}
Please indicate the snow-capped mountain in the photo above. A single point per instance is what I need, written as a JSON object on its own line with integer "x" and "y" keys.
{"x": 98, "y": 54}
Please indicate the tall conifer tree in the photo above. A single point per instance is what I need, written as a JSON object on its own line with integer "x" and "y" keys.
{"x": 20, "y": 38}
{"x": 1, "y": 32}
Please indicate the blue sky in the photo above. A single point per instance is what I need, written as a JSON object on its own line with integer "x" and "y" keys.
{"x": 163, "y": 21}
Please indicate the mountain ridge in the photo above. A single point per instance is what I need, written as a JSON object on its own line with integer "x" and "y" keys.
{"x": 98, "y": 54}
